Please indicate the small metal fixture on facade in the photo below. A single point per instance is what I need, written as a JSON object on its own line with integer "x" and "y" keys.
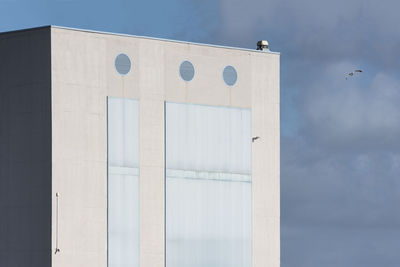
{"x": 263, "y": 45}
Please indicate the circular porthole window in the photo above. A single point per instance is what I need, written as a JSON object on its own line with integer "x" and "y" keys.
{"x": 186, "y": 71}
{"x": 230, "y": 75}
{"x": 122, "y": 64}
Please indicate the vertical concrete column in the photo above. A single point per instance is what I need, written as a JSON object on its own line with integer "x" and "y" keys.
{"x": 151, "y": 154}
{"x": 266, "y": 161}
{"x": 79, "y": 149}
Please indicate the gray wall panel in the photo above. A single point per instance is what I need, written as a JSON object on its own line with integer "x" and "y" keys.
{"x": 25, "y": 149}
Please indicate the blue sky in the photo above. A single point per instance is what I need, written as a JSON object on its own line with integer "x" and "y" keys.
{"x": 340, "y": 154}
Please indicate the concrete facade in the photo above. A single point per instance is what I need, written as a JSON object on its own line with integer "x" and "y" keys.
{"x": 75, "y": 86}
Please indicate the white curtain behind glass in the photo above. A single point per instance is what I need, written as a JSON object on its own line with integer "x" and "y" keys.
{"x": 123, "y": 182}
{"x": 208, "y": 186}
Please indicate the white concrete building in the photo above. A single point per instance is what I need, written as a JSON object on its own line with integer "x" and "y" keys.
{"x": 119, "y": 151}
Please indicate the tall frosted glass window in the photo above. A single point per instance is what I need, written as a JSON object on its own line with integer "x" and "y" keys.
{"x": 208, "y": 186}
{"x": 123, "y": 182}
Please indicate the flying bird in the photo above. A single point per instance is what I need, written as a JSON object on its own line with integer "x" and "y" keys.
{"x": 254, "y": 138}
{"x": 352, "y": 73}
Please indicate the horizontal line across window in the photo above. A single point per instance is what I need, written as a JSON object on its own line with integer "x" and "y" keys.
{"x": 123, "y": 170}
{"x": 205, "y": 175}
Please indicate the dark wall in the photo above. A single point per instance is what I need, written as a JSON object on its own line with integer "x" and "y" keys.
{"x": 25, "y": 148}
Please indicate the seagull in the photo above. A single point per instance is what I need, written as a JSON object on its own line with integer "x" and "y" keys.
{"x": 254, "y": 138}
{"x": 353, "y": 72}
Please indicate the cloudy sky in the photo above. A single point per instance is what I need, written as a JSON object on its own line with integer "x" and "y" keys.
{"x": 340, "y": 155}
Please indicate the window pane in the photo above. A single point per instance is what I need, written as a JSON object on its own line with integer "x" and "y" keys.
{"x": 208, "y": 138}
{"x": 123, "y": 220}
{"x": 208, "y": 186}
{"x": 123, "y": 182}
{"x": 123, "y": 132}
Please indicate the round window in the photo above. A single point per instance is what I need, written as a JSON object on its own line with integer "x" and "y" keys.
{"x": 122, "y": 64}
{"x": 230, "y": 75}
{"x": 186, "y": 71}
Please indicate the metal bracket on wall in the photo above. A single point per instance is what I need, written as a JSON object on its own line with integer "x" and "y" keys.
{"x": 57, "y": 207}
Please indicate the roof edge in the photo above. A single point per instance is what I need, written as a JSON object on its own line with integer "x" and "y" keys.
{"x": 27, "y": 29}
{"x": 165, "y": 40}
{"x": 139, "y": 36}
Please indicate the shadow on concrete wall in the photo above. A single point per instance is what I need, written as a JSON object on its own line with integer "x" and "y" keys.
{"x": 25, "y": 148}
